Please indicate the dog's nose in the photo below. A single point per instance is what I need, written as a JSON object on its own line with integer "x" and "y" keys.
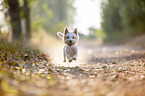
{"x": 70, "y": 41}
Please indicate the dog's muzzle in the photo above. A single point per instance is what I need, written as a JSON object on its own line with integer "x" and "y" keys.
{"x": 70, "y": 43}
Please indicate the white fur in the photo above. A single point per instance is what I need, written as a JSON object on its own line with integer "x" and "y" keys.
{"x": 60, "y": 35}
{"x": 70, "y": 49}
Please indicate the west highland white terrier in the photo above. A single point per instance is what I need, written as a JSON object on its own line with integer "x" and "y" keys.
{"x": 70, "y": 39}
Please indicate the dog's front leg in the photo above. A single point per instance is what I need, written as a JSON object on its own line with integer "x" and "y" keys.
{"x": 64, "y": 53}
{"x": 76, "y": 54}
{"x": 68, "y": 57}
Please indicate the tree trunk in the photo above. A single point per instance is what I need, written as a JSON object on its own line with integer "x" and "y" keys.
{"x": 27, "y": 20}
{"x": 14, "y": 14}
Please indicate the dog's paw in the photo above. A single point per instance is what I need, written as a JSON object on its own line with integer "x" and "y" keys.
{"x": 74, "y": 58}
{"x": 70, "y": 60}
{"x": 64, "y": 60}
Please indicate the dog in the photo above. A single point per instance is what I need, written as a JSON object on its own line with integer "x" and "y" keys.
{"x": 70, "y": 39}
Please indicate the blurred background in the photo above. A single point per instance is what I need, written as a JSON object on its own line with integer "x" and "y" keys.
{"x": 111, "y": 48}
{"x": 98, "y": 21}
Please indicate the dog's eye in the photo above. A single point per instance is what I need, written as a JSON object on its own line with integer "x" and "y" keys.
{"x": 73, "y": 37}
{"x": 67, "y": 37}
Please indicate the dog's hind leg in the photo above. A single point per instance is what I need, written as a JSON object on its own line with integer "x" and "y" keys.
{"x": 64, "y": 53}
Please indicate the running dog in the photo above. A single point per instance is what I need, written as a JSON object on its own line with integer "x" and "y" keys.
{"x": 70, "y": 39}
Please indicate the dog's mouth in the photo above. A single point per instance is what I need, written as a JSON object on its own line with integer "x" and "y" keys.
{"x": 70, "y": 44}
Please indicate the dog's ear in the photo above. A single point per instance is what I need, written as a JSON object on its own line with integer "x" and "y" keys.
{"x": 65, "y": 30}
{"x": 75, "y": 31}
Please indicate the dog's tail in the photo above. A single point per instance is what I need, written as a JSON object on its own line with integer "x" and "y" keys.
{"x": 60, "y": 35}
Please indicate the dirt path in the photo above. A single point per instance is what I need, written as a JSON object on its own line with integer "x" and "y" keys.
{"x": 100, "y": 71}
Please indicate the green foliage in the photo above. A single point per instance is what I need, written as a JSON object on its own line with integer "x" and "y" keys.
{"x": 58, "y": 27}
{"x": 123, "y": 19}
{"x": 99, "y": 33}
{"x": 53, "y": 13}
{"x": 96, "y": 33}
{"x": 37, "y": 25}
